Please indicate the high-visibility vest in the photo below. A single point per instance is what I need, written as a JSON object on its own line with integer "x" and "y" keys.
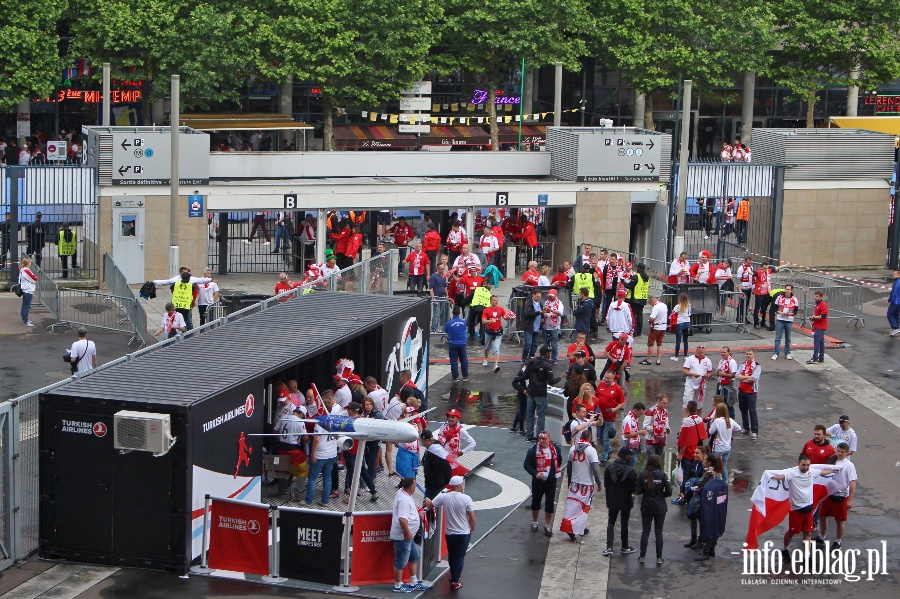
{"x": 357, "y": 217}
{"x": 584, "y": 279}
{"x": 642, "y": 288}
{"x": 743, "y": 210}
{"x": 66, "y": 248}
{"x": 183, "y": 296}
{"x": 481, "y": 297}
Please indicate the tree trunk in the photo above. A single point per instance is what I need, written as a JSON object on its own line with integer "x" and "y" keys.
{"x": 649, "y": 125}
{"x": 853, "y": 94}
{"x": 810, "y": 110}
{"x": 328, "y": 130}
{"x": 747, "y": 107}
{"x": 640, "y": 101}
{"x": 527, "y": 93}
{"x": 492, "y": 115}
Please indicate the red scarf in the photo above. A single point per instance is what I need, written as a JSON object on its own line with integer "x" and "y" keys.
{"x": 543, "y": 464}
{"x": 448, "y": 436}
{"x": 747, "y": 369}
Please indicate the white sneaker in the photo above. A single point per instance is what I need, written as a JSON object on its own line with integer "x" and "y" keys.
{"x": 267, "y": 243}
{"x": 485, "y": 363}
{"x": 29, "y": 324}
{"x": 247, "y": 241}
{"x": 895, "y": 332}
{"x": 674, "y": 358}
{"x": 789, "y": 356}
{"x": 774, "y": 356}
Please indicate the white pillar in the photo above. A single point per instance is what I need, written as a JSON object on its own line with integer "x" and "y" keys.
{"x": 174, "y": 118}
{"x": 747, "y": 107}
{"x": 639, "y": 106}
{"x": 853, "y": 94}
{"x": 557, "y": 96}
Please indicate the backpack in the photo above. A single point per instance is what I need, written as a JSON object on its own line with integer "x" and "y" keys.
{"x": 148, "y": 290}
{"x": 691, "y": 499}
{"x": 520, "y": 381}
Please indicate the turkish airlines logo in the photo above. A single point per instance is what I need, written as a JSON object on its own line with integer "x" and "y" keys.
{"x": 100, "y": 429}
{"x": 249, "y": 406}
{"x": 252, "y": 525}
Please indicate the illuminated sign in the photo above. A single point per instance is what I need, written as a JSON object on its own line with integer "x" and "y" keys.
{"x": 117, "y": 96}
{"x": 480, "y": 97}
{"x": 883, "y": 104}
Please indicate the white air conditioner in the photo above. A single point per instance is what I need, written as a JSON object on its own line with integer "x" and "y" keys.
{"x": 142, "y": 431}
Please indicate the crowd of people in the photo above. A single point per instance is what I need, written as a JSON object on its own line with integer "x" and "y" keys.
{"x": 34, "y": 150}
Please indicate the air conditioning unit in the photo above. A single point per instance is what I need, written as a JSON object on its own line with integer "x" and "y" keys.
{"x": 142, "y": 431}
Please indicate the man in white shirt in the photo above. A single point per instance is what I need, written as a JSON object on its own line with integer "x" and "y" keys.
{"x": 172, "y": 322}
{"x": 322, "y": 459}
{"x": 83, "y": 353}
{"x": 842, "y": 433}
{"x": 404, "y": 526}
{"x": 697, "y": 369}
{"x": 839, "y": 503}
{"x": 659, "y": 322}
{"x": 727, "y": 385}
{"x": 467, "y": 259}
{"x": 745, "y": 277}
{"x": 786, "y": 307}
{"x": 800, "y": 495}
{"x": 207, "y": 295}
{"x": 459, "y": 514}
{"x": 488, "y": 245}
{"x": 342, "y": 393}
{"x": 584, "y": 478}
{"x": 378, "y": 395}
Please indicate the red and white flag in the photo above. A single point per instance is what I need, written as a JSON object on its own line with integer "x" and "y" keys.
{"x": 771, "y": 504}
{"x": 320, "y": 405}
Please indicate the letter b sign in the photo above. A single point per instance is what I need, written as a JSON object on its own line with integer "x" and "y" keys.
{"x": 502, "y": 198}
{"x": 290, "y": 201}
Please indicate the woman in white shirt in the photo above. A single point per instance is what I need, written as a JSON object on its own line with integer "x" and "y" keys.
{"x": 723, "y": 427}
{"x": 724, "y": 280}
{"x": 544, "y": 279}
{"x": 682, "y": 324}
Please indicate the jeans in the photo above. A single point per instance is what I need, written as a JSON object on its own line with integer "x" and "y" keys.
{"x": 724, "y": 455}
{"x": 744, "y": 304}
{"x": 655, "y": 450}
{"x": 747, "y": 406}
{"x": 530, "y": 345}
{"x": 439, "y": 316}
{"x": 893, "y": 316}
{"x": 783, "y": 327}
{"x": 325, "y": 466}
{"x": 188, "y": 317}
{"x": 373, "y": 450}
{"x": 519, "y": 420}
{"x": 730, "y": 400}
{"x": 607, "y": 300}
{"x": 202, "y": 310}
{"x": 603, "y": 434}
{"x": 26, "y": 306}
{"x": 279, "y": 232}
{"x": 457, "y": 545}
{"x": 657, "y": 520}
{"x": 818, "y": 344}
{"x": 400, "y": 263}
{"x": 611, "y": 526}
{"x": 539, "y": 403}
{"x": 458, "y": 353}
{"x": 681, "y": 334}
{"x": 551, "y": 338}
{"x": 350, "y": 462}
{"x": 405, "y": 552}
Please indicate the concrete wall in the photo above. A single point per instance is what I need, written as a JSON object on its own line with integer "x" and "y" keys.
{"x": 845, "y": 225}
{"x": 603, "y": 218}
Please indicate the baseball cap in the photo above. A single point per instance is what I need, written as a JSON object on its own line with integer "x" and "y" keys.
{"x": 552, "y": 292}
{"x": 622, "y": 293}
{"x": 456, "y": 480}
{"x": 38, "y": 214}
{"x": 580, "y": 354}
{"x": 844, "y": 418}
{"x": 545, "y": 349}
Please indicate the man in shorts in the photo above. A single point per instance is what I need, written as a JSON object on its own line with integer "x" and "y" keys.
{"x": 544, "y": 463}
{"x": 799, "y": 481}
{"x": 659, "y": 322}
{"x": 838, "y": 504}
{"x": 697, "y": 368}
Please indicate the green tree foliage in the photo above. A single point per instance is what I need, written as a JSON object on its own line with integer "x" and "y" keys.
{"x": 822, "y": 41}
{"x": 359, "y": 51}
{"x": 207, "y": 43}
{"x": 30, "y": 65}
{"x": 489, "y": 40}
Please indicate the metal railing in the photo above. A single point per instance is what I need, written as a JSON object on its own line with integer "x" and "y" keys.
{"x": 440, "y": 314}
{"x": 97, "y": 310}
{"x": 118, "y": 286}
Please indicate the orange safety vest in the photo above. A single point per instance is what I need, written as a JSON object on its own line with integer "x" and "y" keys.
{"x": 357, "y": 217}
{"x": 743, "y": 210}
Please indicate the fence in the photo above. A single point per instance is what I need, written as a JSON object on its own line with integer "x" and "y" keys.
{"x": 118, "y": 286}
{"x": 844, "y": 299}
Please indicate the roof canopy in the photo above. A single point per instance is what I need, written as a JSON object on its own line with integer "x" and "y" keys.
{"x": 882, "y": 124}
{"x": 242, "y": 122}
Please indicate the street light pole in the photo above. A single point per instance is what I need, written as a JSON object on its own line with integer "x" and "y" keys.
{"x": 174, "y": 119}
{"x": 682, "y": 166}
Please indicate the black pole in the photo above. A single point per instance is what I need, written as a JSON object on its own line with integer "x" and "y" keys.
{"x": 894, "y": 257}
{"x": 223, "y": 243}
{"x": 13, "y": 175}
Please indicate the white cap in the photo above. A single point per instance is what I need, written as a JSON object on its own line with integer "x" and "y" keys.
{"x": 457, "y": 480}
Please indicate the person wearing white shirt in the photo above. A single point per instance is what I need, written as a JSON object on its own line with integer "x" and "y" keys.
{"x": 839, "y": 503}
{"x": 745, "y": 278}
{"x": 697, "y": 368}
{"x": 682, "y": 324}
{"x": 207, "y": 295}
{"x": 727, "y": 385}
{"x": 404, "y": 526}
{"x": 722, "y": 428}
{"x": 799, "y": 483}
{"x": 83, "y": 353}
{"x": 467, "y": 259}
{"x": 722, "y": 275}
{"x": 659, "y": 322}
{"x": 172, "y": 322}
{"x": 787, "y": 306}
{"x": 378, "y": 395}
{"x": 459, "y": 514}
{"x": 322, "y": 458}
{"x": 342, "y": 393}
{"x": 842, "y": 433}
{"x": 680, "y": 270}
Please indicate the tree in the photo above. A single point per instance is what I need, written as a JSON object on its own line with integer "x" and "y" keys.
{"x": 489, "y": 40}
{"x": 30, "y": 65}
{"x": 208, "y": 44}
{"x": 360, "y": 52}
{"x": 823, "y": 41}
{"x": 655, "y": 42}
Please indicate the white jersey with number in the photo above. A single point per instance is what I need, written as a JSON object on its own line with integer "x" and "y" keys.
{"x": 380, "y": 398}
{"x": 581, "y": 464}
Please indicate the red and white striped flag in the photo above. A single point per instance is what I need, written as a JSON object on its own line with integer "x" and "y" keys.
{"x": 320, "y": 405}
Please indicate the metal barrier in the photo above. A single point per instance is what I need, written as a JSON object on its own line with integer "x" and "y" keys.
{"x": 118, "y": 286}
{"x": 46, "y": 291}
{"x": 440, "y": 314}
{"x": 96, "y": 310}
{"x": 521, "y": 293}
{"x": 722, "y": 309}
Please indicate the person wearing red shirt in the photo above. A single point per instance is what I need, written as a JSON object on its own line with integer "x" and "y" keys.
{"x": 762, "y": 285}
{"x": 819, "y": 321}
{"x": 609, "y": 399}
{"x": 498, "y": 235}
{"x": 432, "y": 245}
{"x": 403, "y": 234}
{"x": 618, "y": 355}
{"x": 354, "y": 243}
{"x": 580, "y": 345}
{"x": 530, "y": 277}
{"x": 560, "y": 279}
{"x": 529, "y": 236}
{"x": 340, "y": 244}
{"x": 471, "y": 279}
{"x": 284, "y": 284}
{"x": 419, "y": 268}
{"x": 492, "y": 321}
{"x": 819, "y": 448}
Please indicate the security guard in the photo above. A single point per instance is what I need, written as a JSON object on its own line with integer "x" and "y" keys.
{"x": 638, "y": 292}
{"x": 183, "y": 298}
{"x": 479, "y": 299}
{"x": 67, "y": 246}
{"x": 585, "y": 279}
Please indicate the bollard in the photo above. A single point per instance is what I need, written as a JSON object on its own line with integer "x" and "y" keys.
{"x": 274, "y": 554}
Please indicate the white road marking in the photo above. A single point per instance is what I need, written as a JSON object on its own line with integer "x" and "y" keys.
{"x": 512, "y": 491}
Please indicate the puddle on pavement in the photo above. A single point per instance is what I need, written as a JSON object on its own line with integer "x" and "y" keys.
{"x": 479, "y": 407}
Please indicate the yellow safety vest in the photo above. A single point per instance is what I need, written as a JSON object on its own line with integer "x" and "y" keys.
{"x": 584, "y": 279}
{"x": 183, "y": 296}
{"x": 642, "y": 289}
{"x": 481, "y": 297}
{"x": 66, "y": 248}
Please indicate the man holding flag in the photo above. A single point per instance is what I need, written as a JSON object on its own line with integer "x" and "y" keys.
{"x": 584, "y": 477}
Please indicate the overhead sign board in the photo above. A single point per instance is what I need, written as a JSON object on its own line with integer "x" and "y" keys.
{"x": 620, "y": 157}
{"x": 419, "y": 88}
{"x": 414, "y": 128}
{"x": 407, "y": 104}
{"x": 145, "y": 158}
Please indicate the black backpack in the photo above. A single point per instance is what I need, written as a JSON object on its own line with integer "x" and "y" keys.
{"x": 520, "y": 381}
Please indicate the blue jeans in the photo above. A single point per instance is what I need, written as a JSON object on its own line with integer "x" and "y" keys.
{"x": 551, "y": 338}
{"x": 724, "y": 455}
{"x": 818, "y": 344}
{"x": 279, "y": 232}
{"x": 783, "y": 327}
{"x": 893, "y": 315}
{"x": 681, "y": 334}
{"x": 350, "y": 461}
{"x": 519, "y": 420}
{"x": 26, "y": 306}
{"x": 539, "y": 404}
{"x": 404, "y": 553}
{"x": 458, "y": 353}
{"x": 457, "y": 545}
{"x": 747, "y": 405}
{"x": 402, "y": 257}
{"x": 530, "y": 345}
{"x": 439, "y": 316}
{"x": 325, "y": 466}
{"x": 603, "y": 434}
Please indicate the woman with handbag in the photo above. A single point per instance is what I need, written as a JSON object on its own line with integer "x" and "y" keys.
{"x": 27, "y": 286}
{"x": 655, "y": 487}
{"x": 682, "y": 314}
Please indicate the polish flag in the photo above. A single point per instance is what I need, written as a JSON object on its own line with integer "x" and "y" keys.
{"x": 771, "y": 504}
{"x": 322, "y": 410}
